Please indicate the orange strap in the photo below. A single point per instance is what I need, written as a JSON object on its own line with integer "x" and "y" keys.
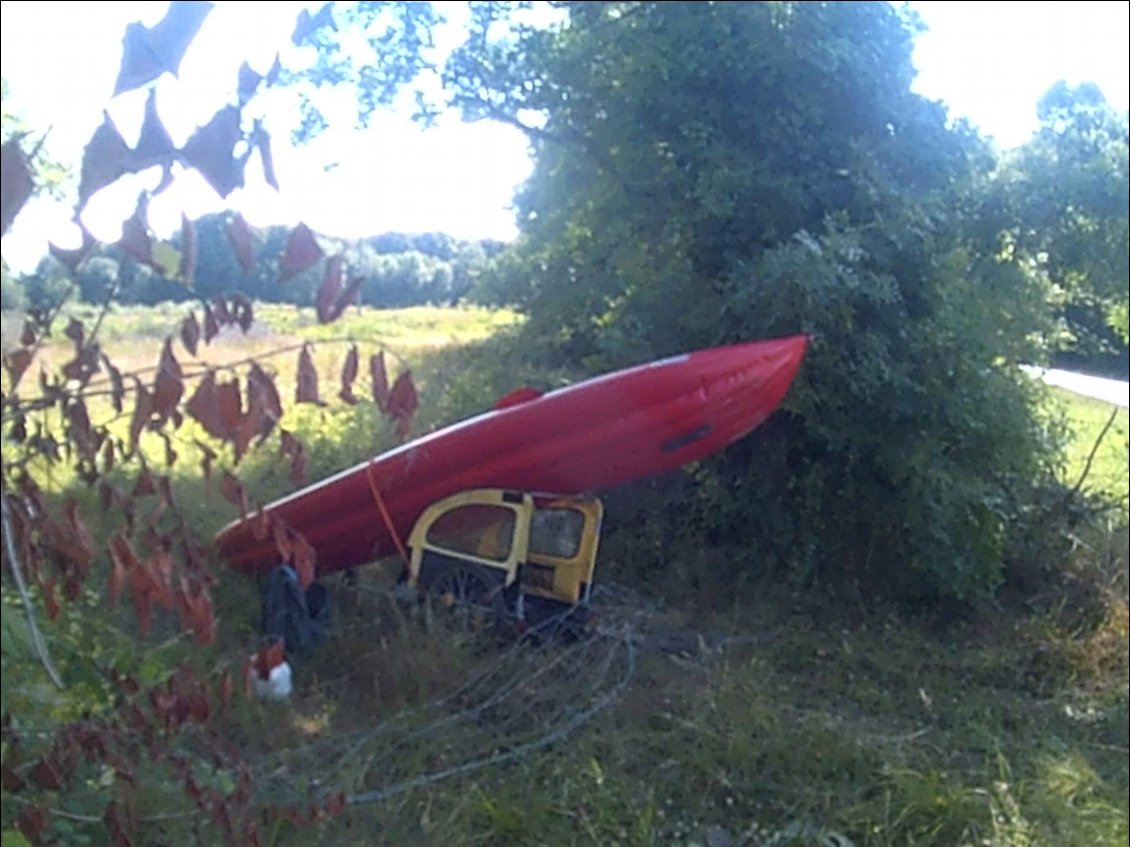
{"x": 383, "y": 509}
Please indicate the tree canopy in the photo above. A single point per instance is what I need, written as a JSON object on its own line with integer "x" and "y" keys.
{"x": 714, "y": 172}
{"x": 1067, "y": 192}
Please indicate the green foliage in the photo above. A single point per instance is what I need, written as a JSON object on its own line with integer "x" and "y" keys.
{"x": 1065, "y": 194}
{"x": 692, "y": 190}
{"x": 12, "y": 294}
{"x": 399, "y": 270}
{"x": 389, "y": 46}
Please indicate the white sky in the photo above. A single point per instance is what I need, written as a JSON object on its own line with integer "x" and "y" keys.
{"x": 989, "y": 61}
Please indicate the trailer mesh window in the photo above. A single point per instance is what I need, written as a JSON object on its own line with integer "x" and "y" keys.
{"x": 475, "y": 530}
{"x": 556, "y": 532}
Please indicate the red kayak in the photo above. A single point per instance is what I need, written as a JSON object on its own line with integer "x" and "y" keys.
{"x": 590, "y": 436}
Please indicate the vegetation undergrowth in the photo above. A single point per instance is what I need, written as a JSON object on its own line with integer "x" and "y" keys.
{"x": 773, "y": 710}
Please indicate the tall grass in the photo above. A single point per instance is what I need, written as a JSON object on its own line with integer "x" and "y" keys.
{"x": 774, "y": 715}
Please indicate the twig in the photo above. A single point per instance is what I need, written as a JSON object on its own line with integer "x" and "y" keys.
{"x": 1093, "y": 453}
{"x": 29, "y": 608}
{"x": 77, "y": 816}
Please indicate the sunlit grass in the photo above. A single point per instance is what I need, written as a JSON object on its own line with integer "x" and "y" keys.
{"x": 890, "y": 731}
{"x": 1108, "y": 470}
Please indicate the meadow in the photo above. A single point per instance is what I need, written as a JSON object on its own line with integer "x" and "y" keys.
{"x": 774, "y": 717}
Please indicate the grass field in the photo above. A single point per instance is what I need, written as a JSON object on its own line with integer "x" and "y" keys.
{"x": 1107, "y": 473}
{"x": 773, "y": 720}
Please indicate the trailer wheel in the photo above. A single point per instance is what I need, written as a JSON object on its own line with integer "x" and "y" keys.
{"x": 468, "y": 600}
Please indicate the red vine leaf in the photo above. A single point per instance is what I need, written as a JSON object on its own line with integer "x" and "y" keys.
{"x": 239, "y": 234}
{"x": 211, "y": 150}
{"x": 154, "y": 146}
{"x": 117, "y": 823}
{"x": 76, "y": 332}
{"x": 16, "y": 183}
{"x": 230, "y": 407}
{"x": 47, "y": 774}
{"x": 190, "y": 333}
{"x": 79, "y": 429}
{"x": 168, "y": 388}
{"x": 242, "y": 311}
{"x": 282, "y": 539}
{"x": 141, "y": 595}
{"x": 105, "y": 495}
{"x": 148, "y": 53}
{"x": 305, "y": 560}
{"x": 165, "y": 488}
{"x": 108, "y": 456}
{"x": 211, "y": 327}
{"x": 117, "y": 385}
{"x": 217, "y": 407}
{"x": 220, "y": 310}
{"x": 158, "y": 570}
{"x": 208, "y": 456}
{"x": 260, "y": 525}
{"x": 195, "y": 608}
{"x": 274, "y": 71}
{"x": 379, "y": 377}
{"x": 187, "y": 269}
{"x": 105, "y": 158}
{"x": 262, "y": 141}
{"x": 306, "y": 390}
{"x": 301, "y": 252}
{"x": 11, "y": 781}
{"x": 402, "y": 403}
{"x": 16, "y": 363}
{"x": 50, "y": 602}
{"x": 136, "y": 240}
{"x": 308, "y": 24}
{"x": 144, "y": 486}
{"x": 33, "y": 822}
{"x": 232, "y": 490}
{"x": 330, "y": 289}
{"x": 142, "y": 414}
{"x": 292, "y": 448}
{"x": 18, "y": 430}
{"x": 298, "y": 467}
{"x": 349, "y": 375}
{"x": 349, "y": 296}
{"x": 83, "y": 366}
{"x": 81, "y": 547}
{"x": 249, "y": 80}
{"x": 263, "y": 395}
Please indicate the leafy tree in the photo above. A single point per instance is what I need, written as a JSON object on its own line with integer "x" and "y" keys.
{"x": 1067, "y": 192}
{"x": 95, "y": 505}
{"x": 713, "y": 172}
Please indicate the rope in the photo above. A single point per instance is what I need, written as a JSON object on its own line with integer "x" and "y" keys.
{"x": 383, "y": 509}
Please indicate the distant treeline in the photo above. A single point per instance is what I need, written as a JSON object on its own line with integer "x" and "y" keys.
{"x": 399, "y": 269}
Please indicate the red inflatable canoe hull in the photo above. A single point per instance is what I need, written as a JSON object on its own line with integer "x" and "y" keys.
{"x": 590, "y": 436}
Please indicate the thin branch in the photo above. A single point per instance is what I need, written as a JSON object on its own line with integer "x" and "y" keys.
{"x": 199, "y": 370}
{"x": 21, "y": 586}
{"x": 81, "y": 818}
{"x": 1094, "y": 451}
